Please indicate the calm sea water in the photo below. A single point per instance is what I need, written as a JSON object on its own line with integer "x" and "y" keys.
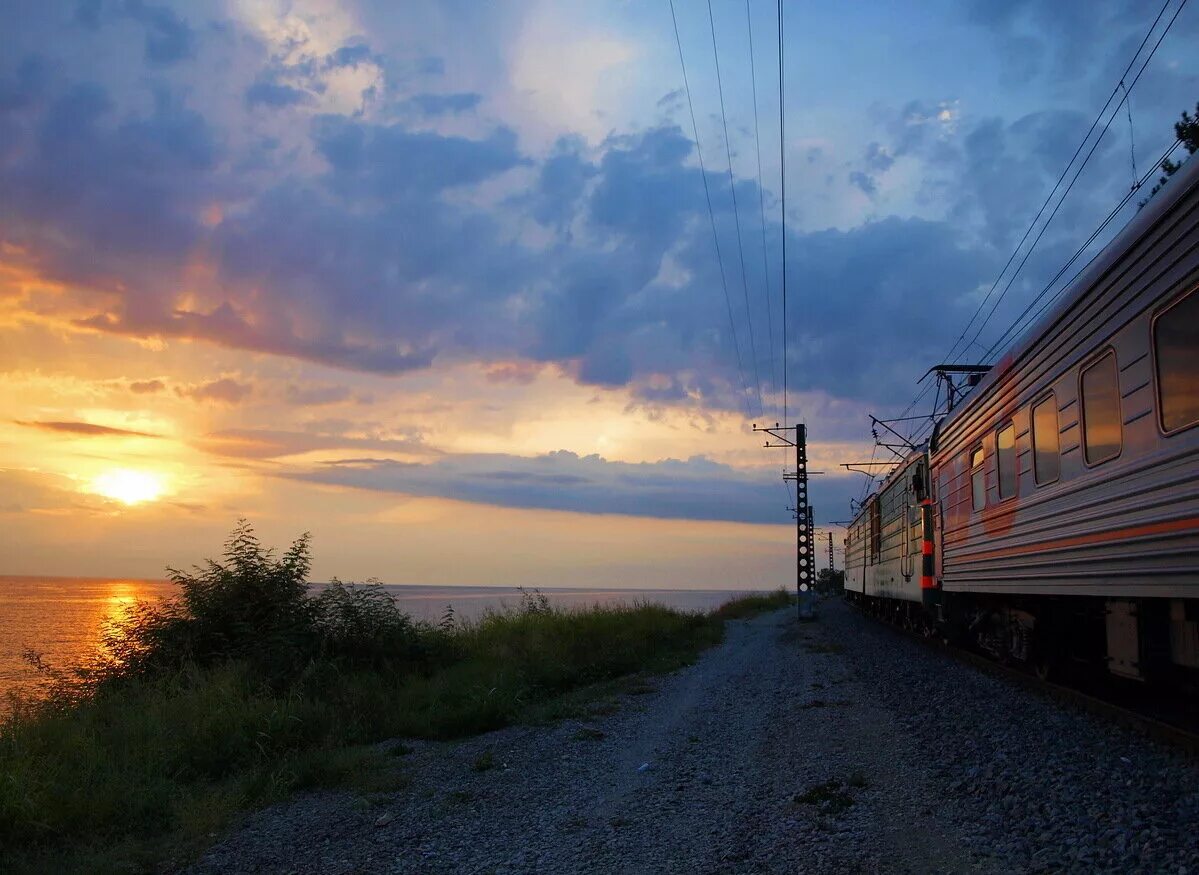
{"x": 61, "y": 618}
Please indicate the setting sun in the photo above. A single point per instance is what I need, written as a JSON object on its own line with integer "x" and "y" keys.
{"x": 128, "y": 486}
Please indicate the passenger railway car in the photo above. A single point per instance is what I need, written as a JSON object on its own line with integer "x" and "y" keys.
{"x": 1053, "y": 516}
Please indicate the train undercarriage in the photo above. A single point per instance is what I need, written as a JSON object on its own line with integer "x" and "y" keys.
{"x": 1150, "y": 640}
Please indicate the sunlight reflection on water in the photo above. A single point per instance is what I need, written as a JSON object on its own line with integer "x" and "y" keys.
{"x": 61, "y": 620}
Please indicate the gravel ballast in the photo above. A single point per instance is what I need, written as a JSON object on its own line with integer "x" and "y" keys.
{"x": 831, "y": 746}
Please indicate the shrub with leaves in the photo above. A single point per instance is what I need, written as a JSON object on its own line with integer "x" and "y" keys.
{"x": 361, "y": 624}
{"x": 252, "y": 606}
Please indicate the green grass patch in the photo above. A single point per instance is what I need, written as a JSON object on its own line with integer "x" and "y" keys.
{"x": 249, "y": 688}
{"x": 589, "y": 733}
{"x": 750, "y": 605}
{"x": 828, "y": 798}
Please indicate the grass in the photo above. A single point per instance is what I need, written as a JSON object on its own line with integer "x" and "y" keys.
{"x": 589, "y": 733}
{"x": 828, "y": 798}
{"x": 748, "y": 606}
{"x": 197, "y": 715}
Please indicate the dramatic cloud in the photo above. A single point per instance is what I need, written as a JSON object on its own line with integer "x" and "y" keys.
{"x": 395, "y": 247}
{"x": 669, "y": 489}
{"x": 271, "y": 444}
{"x": 472, "y": 233}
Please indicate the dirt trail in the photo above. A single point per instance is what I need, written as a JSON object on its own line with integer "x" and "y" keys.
{"x": 702, "y": 774}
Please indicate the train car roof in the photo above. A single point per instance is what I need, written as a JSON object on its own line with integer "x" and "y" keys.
{"x": 1181, "y": 184}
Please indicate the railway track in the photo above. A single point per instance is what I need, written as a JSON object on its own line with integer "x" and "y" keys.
{"x": 1149, "y": 717}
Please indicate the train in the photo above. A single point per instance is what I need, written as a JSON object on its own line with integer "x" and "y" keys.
{"x": 1051, "y": 517}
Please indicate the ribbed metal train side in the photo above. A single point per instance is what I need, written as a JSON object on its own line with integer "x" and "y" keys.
{"x": 1123, "y": 526}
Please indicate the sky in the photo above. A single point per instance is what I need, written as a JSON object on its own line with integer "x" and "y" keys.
{"x": 438, "y": 281}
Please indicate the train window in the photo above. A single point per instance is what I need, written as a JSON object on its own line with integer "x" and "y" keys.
{"x": 1176, "y": 348}
{"x": 978, "y": 480}
{"x": 1101, "y": 410}
{"x": 1046, "y": 461}
{"x": 1005, "y": 460}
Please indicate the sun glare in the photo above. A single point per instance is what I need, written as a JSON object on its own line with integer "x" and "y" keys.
{"x": 128, "y": 486}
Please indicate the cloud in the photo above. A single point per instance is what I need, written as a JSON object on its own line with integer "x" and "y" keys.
{"x": 312, "y": 396}
{"x": 445, "y": 104}
{"x": 878, "y": 158}
{"x": 102, "y": 198}
{"x": 565, "y": 481}
{"x": 523, "y": 373}
{"x": 146, "y": 387}
{"x": 169, "y": 39}
{"x": 248, "y": 443}
{"x": 384, "y": 161}
{"x": 864, "y": 183}
{"x": 376, "y": 264}
{"x": 362, "y": 239}
{"x": 276, "y": 95}
{"x": 225, "y": 390}
{"x": 86, "y": 429}
{"x": 350, "y": 56}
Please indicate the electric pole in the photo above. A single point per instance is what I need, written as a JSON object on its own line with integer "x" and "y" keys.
{"x": 805, "y": 546}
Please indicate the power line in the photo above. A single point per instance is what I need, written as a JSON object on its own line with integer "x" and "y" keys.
{"x": 753, "y": 78}
{"x": 1015, "y": 326}
{"x": 1074, "y": 179}
{"x": 1049, "y": 198}
{"x": 1020, "y": 322}
{"x": 783, "y": 196}
{"x": 1057, "y": 185}
{"x": 711, "y": 214}
{"x": 749, "y": 319}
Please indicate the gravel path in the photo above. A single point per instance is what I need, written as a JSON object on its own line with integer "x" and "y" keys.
{"x": 834, "y": 746}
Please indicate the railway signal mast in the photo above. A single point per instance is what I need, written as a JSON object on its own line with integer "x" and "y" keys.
{"x": 805, "y": 541}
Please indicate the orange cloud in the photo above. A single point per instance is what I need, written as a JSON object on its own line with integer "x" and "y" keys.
{"x": 225, "y": 390}
{"x": 88, "y": 429}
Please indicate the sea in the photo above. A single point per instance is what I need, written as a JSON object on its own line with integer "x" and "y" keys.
{"x": 57, "y": 622}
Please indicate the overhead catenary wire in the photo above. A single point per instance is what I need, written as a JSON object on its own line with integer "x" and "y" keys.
{"x": 753, "y": 79}
{"x": 1132, "y": 140}
{"x": 783, "y": 195}
{"x": 1024, "y": 320}
{"x": 1061, "y": 178}
{"x": 712, "y": 221}
{"x": 711, "y": 213}
{"x": 1049, "y": 198}
{"x": 728, "y": 147}
{"x": 1020, "y": 322}
{"x": 1074, "y": 179}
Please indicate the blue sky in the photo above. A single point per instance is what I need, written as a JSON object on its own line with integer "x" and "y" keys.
{"x": 458, "y": 254}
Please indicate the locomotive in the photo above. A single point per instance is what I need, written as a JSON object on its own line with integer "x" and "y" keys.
{"x": 1052, "y": 516}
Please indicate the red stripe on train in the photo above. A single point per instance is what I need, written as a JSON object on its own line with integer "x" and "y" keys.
{"x": 1183, "y": 525}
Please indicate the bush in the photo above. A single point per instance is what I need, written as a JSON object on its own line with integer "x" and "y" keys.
{"x": 362, "y": 626}
{"x": 253, "y": 607}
